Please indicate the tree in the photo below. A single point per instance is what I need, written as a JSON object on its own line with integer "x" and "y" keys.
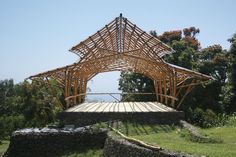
{"x": 39, "y": 107}
{"x": 8, "y": 98}
{"x": 27, "y": 104}
{"x": 232, "y": 79}
{"x": 212, "y": 61}
{"x": 136, "y": 83}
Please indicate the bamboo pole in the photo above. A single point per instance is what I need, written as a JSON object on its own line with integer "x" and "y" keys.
{"x": 156, "y": 89}
{"x": 186, "y": 93}
{"x": 160, "y": 91}
{"x": 76, "y": 89}
{"x": 80, "y": 89}
{"x": 138, "y": 142}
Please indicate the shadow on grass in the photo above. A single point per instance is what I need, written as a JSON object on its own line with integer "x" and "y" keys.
{"x": 94, "y": 152}
{"x": 134, "y": 128}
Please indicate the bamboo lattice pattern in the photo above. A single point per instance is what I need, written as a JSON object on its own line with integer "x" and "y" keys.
{"x": 122, "y": 46}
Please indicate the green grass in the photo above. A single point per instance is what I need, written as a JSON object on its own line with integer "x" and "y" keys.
{"x": 137, "y": 129}
{"x": 3, "y": 146}
{"x": 89, "y": 153}
{"x": 176, "y": 139}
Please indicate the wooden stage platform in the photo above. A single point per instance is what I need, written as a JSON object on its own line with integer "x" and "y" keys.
{"x": 121, "y": 107}
{"x": 140, "y": 112}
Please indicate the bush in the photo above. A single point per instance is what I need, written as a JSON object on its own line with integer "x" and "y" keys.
{"x": 203, "y": 118}
{"x": 231, "y": 120}
{"x": 8, "y": 124}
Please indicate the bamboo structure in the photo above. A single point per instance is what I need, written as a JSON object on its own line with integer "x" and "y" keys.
{"x": 122, "y": 46}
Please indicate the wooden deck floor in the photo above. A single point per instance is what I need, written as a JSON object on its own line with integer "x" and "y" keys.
{"x": 121, "y": 107}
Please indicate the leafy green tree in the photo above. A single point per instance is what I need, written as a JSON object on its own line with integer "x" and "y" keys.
{"x": 231, "y": 88}
{"x": 39, "y": 106}
{"x": 27, "y": 104}
{"x": 212, "y": 61}
{"x": 136, "y": 83}
{"x": 10, "y": 110}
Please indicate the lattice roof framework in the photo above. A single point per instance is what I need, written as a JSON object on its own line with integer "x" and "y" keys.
{"x": 123, "y": 46}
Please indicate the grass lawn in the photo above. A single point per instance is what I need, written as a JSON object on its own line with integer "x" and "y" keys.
{"x": 173, "y": 138}
{"x": 89, "y": 153}
{"x": 3, "y": 147}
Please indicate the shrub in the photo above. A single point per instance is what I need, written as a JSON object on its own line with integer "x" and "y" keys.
{"x": 8, "y": 124}
{"x": 203, "y": 118}
{"x": 231, "y": 120}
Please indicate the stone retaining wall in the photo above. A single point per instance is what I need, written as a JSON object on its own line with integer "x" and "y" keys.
{"x": 53, "y": 142}
{"x": 89, "y": 118}
{"x": 196, "y": 136}
{"x": 56, "y": 142}
{"x": 118, "y": 147}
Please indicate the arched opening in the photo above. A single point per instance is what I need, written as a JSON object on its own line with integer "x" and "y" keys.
{"x": 106, "y": 82}
{"x": 119, "y": 86}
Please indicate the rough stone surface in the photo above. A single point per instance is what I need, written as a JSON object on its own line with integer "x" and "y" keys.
{"x": 88, "y": 118}
{"x": 117, "y": 147}
{"x": 46, "y": 142}
{"x": 196, "y": 135}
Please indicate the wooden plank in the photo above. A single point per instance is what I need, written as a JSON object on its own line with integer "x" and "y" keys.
{"x": 121, "y": 107}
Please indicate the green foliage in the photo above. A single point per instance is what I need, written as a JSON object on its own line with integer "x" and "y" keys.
{"x": 232, "y": 53}
{"x": 227, "y": 97}
{"x": 207, "y": 118}
{"x": 183, "y": 55}
{"x": 3, "y": 147}
{"x": 40, "y": 108}
{"x": 231, "y": 120}
{"x": 136, "y": 83}
{"x": 203, "y": 118}
{"x": 213, "y": 61}
{"x": 9, "y": 124}
{"x": 27, "y": 104}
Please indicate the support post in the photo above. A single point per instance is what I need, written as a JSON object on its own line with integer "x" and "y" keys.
{"x": 75, "y": 90}
{"x": 160, "y": 91}
{"x": 156, "y": 89}
{"x": 80, "y": 89}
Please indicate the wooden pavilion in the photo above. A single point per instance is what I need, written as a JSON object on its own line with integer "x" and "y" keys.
{"x": 122, "y": 46}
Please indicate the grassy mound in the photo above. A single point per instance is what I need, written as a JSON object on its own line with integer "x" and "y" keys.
{"x": 177, "y": 139}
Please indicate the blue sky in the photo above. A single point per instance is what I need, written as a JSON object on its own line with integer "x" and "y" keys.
{"x": 35, "y": 36}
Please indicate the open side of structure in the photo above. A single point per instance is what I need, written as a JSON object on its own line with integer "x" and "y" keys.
{"x": 122, "y": 46}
